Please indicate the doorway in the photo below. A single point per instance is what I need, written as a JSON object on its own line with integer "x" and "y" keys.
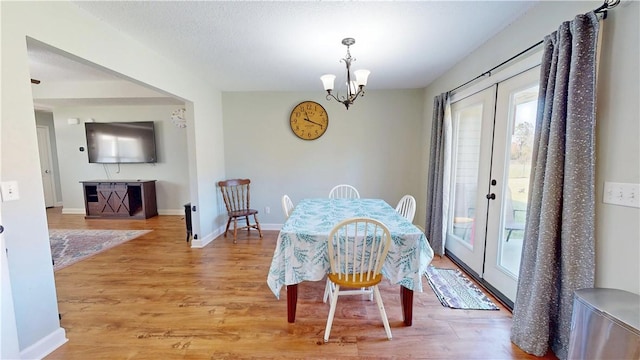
{"x": 46, "y": 165}
{"x": 493, "y": 134}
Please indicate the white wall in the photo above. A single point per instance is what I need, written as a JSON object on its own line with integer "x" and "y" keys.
{"x": 617, "y": 127}
{"x": 171, "y": 170}
{"x": 63, "y": 26}
{"x": 374, "y": 146}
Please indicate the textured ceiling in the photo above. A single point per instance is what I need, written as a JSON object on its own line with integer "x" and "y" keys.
{"x": 287, "y": 46}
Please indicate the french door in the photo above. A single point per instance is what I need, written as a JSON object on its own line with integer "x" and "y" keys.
{"x": 472, "y": 130}
{"x": 491, "y": 162}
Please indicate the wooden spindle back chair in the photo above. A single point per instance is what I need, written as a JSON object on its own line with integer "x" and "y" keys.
{"x": 407, "y": 207}
{"x": 287, "y": 205}
{"x": 357, "y": 249}
{"x": 237, "y": 198}
{"x": 344, "y": 191}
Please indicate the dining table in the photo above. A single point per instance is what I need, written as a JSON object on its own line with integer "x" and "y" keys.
{"x": 301, "y": 250}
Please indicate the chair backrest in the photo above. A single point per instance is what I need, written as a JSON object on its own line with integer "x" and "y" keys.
{"x": 357, "y": 248}
{"x": 510, "y": 212}
{"x": 344, "y": 191}
{"x": 236, "y": 194}
{"x": 287, "y": 205}
{"x": 407, "y": 207}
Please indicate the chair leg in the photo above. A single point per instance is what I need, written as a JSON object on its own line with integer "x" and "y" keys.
{"x": 235, "y": 229}
{"x": 328, "y": 292}
{"x": 363, "y": 289}
{"x": 332, "y": 312}
{"x": 255, "y": 217}
{"x": 383, "y": 313}
{"x": 227, "y": 228}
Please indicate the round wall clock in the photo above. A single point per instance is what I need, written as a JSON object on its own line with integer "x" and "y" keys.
{"x": 309, "y": 120}
{"x": 177, "y": 118}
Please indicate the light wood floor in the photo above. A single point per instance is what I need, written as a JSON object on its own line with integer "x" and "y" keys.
{"x": 156, "y": 298}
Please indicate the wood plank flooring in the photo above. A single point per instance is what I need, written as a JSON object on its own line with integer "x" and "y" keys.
{"x": 155, "y": 297}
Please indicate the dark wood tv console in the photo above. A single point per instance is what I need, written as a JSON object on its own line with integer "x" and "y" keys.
{"x": 120, "y": 198}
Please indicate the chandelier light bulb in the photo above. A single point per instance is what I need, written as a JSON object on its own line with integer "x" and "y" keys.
{"x": 327, "y": 81}
{"x": 361, "y": 77}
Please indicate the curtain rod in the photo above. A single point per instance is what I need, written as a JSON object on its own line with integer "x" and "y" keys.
{"x": 488, "y": 72}
{"x": 608, "y": 4}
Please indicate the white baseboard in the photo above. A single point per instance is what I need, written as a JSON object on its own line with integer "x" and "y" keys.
{"x": 179, "y": 212}
{"x": 271, "y": 226}
{"x": 73, "y": 211}
{"x": 81, "y": 211}
{"x": 45, "y": 346}
{"x": 202, "y": 242}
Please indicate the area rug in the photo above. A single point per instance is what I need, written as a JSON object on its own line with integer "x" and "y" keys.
{"x": 71, "y": 246}
{"x": 456, "y": 291}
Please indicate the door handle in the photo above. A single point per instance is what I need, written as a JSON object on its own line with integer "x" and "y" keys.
{"x": 46, "y": 171}
{"x": 491, "y": 196}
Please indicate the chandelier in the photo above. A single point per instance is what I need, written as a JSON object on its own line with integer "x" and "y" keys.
{"x": 354, "y": 88}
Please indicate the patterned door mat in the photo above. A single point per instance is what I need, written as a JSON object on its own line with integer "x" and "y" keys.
{"x": 456, "y": 291}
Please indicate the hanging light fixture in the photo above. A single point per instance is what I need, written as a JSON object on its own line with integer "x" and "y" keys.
{"x": 355, "y": 87}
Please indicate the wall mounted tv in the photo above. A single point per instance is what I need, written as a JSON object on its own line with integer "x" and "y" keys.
{"x": 121, "y": 142}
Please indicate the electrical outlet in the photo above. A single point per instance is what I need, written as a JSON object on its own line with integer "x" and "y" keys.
{"x": 10, "y": 190}
{"x": 267, "y": 210}
{"x": 622, "y": 194}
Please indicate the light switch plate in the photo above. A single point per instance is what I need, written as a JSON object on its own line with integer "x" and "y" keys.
{"x": 9, "y": 190}
{"x": 623, "y": 194}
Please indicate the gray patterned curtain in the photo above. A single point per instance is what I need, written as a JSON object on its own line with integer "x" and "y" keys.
{"x": 434, "y": 228}
{"x": 558, "y": 255}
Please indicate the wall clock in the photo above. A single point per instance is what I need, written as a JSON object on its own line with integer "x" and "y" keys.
{"x": 309, "y": 120}
{"x": 177, "y": 118}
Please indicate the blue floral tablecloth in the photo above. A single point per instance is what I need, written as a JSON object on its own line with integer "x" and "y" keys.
{"x": 301, "y": 251}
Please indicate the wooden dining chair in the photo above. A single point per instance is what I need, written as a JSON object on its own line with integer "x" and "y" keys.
{"x": 357, "y": 249}
{"x": 344, "y": 191}
{"x": 407, "y": 207}
{"x": 287, "y": 205}
{"x": 236, "y": 195}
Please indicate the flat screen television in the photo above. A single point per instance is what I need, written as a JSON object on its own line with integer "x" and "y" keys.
{"x": 121, "y": 142}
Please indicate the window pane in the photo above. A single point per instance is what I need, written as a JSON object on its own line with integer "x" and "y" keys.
{"x": 523, "y": 106}
{"x": 468, "y": 122}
